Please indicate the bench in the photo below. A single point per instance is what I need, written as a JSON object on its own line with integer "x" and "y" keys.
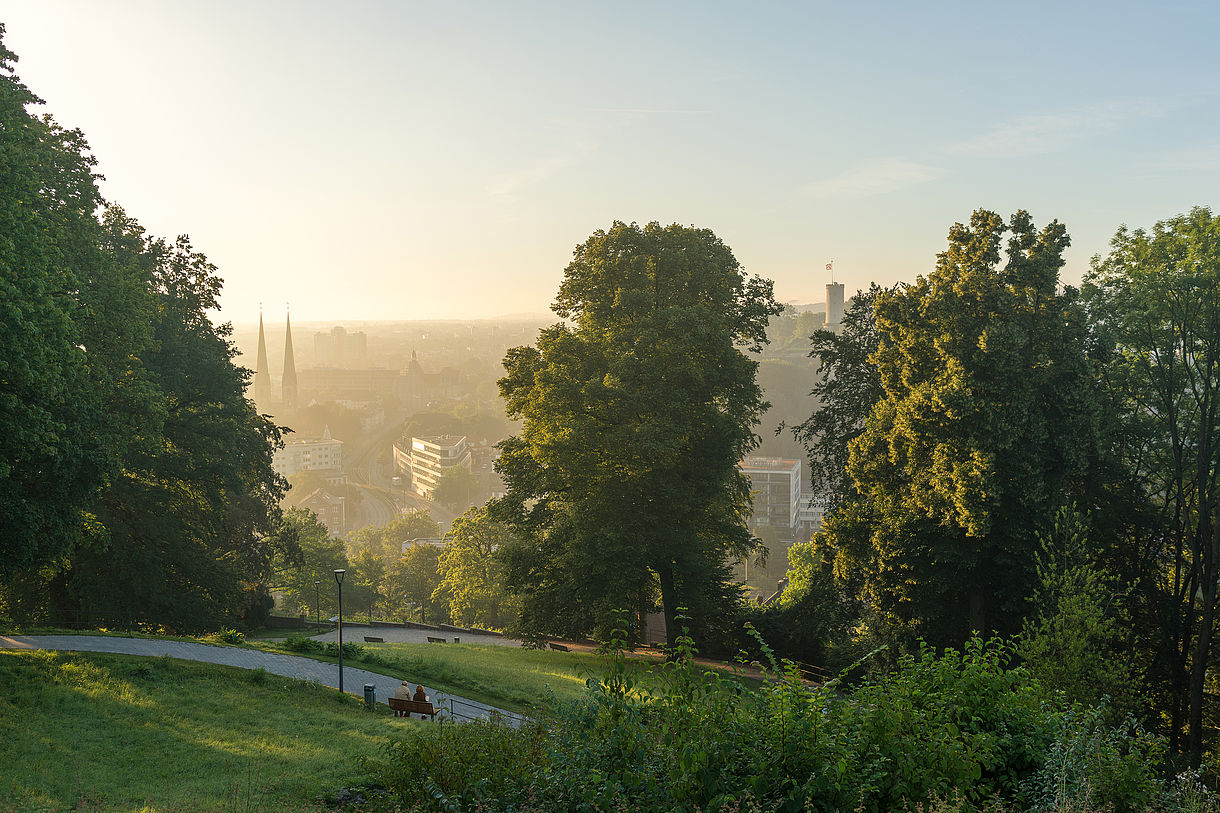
{"x": 373, "y": 639}
{"x": 558, "y": 647}
{"x": 435, "y": 640}
{"x": 405, "y": 708}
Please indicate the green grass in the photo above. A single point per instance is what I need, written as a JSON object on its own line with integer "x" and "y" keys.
{"x": 87, "y": 731}
{"x": 508, "y": 677}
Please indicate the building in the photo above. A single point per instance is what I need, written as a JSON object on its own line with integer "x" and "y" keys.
{"x": 338, "y": 348}
{"x": 428, "y": 458}
{"x": 834, "y": 305}
{"x": 329, "y": 508}
{"x": 262, "y": 372}
{"x": 320, "y": 454}
{"x": 809, "y": 515}
{"x": 289, "y": 380}
{"x": 776, "y": 486}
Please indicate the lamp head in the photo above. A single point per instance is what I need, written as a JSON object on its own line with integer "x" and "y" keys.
{"x": 339, "y": 576}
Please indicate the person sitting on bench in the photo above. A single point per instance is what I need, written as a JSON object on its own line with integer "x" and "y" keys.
{"x": 403, "y": 692}
{"x": 420, "y": 695}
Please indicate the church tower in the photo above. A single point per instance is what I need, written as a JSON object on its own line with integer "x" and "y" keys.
{"x": 262, "y": 375}
{"x": 290, "y": 369}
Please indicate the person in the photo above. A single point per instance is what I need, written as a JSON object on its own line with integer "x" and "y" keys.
{"x": 420, "y": 695}
{"x": 403, "y": 692}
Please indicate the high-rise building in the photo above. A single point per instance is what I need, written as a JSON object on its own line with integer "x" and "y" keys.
{"x": 776, "y": 486}
{"x": 834, "y": 305}
{"x": 289, "y": 381}
{"x": 338, "y": 348}
{"x": 429, "y": 458}
{"x": 262, "y": 373}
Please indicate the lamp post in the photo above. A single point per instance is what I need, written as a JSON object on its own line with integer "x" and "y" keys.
{"x": 317, "y": 602}
{"x": 339, "y": 582}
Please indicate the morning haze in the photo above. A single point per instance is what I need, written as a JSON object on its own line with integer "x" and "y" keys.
{"x": 546, "y": 407}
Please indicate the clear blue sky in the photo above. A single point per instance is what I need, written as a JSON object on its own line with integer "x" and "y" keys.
{"x": 403, "y": 160}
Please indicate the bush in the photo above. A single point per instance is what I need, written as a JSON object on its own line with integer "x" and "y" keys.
{"x": 957, "y": 731}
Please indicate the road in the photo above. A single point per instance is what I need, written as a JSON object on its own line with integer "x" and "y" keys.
{"x": 380, "y": 501}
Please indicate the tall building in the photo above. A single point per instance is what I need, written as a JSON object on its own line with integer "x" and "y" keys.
{"x": 834, "y": 305}
{"x": 262, "y": 373}
{"x": 429, "y": 458}
{"x": 338, "y": 348}
{"x": 289, "y": 385}
{"x": 776, "y": 486}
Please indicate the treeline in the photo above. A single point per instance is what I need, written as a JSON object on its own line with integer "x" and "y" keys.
{"x": 1005, "y": 455}
{"x": 391, "y": 575}
{"x": 135, "y": 478}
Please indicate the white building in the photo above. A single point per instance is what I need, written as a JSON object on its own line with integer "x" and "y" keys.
{"x": 318, "y": 454}
{"x": 809, "y": 514}
{"x": 428, "y": 458}
{"x": 776, "y": 486}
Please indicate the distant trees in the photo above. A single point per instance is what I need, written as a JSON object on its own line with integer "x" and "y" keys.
{"x": 457, "y": 488}
{"x": 623, "y": 481}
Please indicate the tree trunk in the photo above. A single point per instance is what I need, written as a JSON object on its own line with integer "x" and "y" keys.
{"x": 1198, "y": 675}
{"x": 665, "y": 573}
{"x": 978, "y": 610}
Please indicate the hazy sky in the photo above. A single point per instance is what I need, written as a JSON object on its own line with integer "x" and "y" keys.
{"x": 403, "y": 160}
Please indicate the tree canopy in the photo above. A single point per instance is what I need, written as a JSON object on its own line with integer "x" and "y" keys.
{"x": 986, "y": 425}
{"x": 624, "y": 480}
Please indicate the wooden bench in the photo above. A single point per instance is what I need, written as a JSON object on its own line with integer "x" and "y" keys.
{"x": 558, "y": 647}
{"x": 373, "y": 639}
{"x": 405, "y": 708}
{"x": 434, "y": 640}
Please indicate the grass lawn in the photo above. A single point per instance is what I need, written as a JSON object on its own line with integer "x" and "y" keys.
{"x": 508, "y": 677}
{"x": 87, "y": 731}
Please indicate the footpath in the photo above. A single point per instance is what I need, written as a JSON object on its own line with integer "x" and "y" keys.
{"x": 460, "y": 709}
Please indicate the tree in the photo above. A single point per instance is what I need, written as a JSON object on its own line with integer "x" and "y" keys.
{"x": 471, "y": 574}
{"x": 1074, "y": 643}
{"x": 53, "y": 455}
{"x": 387, "y": 540}
{"x": 367, "y": 580}
{"x": 846, "y": 388}
{"x": 624, "y": 480}
{"x": 457, "y": 488}
{"x": 411, "y": 583}
{"x": 987, "y": 425}
{"x": 1156, "y": 297}
{"x": 317, "y": 558}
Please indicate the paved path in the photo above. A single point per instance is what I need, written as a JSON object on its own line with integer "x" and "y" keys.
{"x": 293, "y": 666}
{"x": 410, "y": 635}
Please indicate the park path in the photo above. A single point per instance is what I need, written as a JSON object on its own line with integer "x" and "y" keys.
{"x": 293, "y": 666}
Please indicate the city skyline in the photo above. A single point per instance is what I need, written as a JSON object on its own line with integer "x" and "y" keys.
{"x": 412, "y": 162}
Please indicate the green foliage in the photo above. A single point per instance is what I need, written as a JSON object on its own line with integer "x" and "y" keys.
{"x": 317, "y": 555}
{"x": 457, "y": 488}
{"x": 387, "y": 540}
{"x": 987, "y": 424}
{"x": 1076, "y": 642}
{"x": 1156, "y": 302}
{"x": 471, "y": 574}
{"x": 960, "y": 731}
{"x": 846, "y": 388}
{"x": 412, "y": 584}
{"x": 623, "y": 481}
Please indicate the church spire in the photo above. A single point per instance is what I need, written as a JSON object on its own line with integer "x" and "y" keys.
{"x": 290, "y": 368}
{"x": 262, "y": 374}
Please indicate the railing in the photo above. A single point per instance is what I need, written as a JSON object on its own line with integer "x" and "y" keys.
{"x": 479, "y": 712}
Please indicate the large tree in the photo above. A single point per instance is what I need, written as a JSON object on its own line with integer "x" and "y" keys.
{"x": 986, "y": 426}
{"x": 1156, "y": 297}
{"x": 471, "y": 573}
{"x": 636, "y": 411}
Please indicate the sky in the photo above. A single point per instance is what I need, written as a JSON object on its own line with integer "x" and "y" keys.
{"x": 426, "y": 160}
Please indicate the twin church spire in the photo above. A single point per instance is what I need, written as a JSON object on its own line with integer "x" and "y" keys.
{"x": 262, "y": 373}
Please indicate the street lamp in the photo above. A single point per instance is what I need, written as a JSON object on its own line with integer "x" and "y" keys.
{"x": 317, "y": 602}
{"x": 339, "y": 582}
